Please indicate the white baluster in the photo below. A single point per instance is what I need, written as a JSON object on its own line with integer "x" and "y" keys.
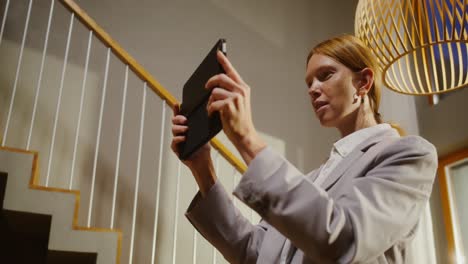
{"x": 59, "y": 99}
{"x": 194, "y": 256}
{"x": 119, "y": 146}
{"x": 77, "y": 132}
{"x": 98, "y": 137}
{"x": 176, "y": 217}
{"x": 135, "y": 198}
{"x": 18, "y": 67}
{"x": 156, "y": 212}
{"x": 5, "y": 14}
{"x": 41, "y": 71}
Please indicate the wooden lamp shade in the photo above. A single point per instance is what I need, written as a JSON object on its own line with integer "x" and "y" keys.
{"x": 421, "y": 45}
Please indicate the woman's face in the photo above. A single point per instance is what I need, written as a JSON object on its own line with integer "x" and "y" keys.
{"x": 332, "y": 89}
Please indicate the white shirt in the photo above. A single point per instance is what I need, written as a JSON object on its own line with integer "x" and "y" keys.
{"x": 344, "y": 146}
{"x": 340, "y": 150}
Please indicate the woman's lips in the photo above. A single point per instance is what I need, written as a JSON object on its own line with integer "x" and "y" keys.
{"x": 320, "y": 106}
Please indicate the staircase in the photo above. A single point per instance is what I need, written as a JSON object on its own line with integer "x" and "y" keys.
{"x": 45, "y": 219}
{"x": 96, "y": 188}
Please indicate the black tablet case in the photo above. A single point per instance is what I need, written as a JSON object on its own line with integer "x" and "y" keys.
{"x": 201, "y": 127}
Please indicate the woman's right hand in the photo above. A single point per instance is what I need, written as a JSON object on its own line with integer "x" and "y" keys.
{"x": 179, "y": 130}
{"x": 199, "y": 162}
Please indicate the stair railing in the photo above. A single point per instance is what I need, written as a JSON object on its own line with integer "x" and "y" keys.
{"x": 148, "y": 83}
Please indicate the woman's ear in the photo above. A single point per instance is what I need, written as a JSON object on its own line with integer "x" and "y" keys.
{"x": 365, "y": 81}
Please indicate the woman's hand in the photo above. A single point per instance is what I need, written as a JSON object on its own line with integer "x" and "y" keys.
{"x": 231, "y": 98}
{"x": 199, "y": 162}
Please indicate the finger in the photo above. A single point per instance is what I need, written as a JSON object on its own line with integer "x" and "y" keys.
{"x": 174, "y": 148}
{"x": 217, "y": 106}
{"x": 179, "y": 120}
{"x": 176, "y": 109}
{"x": 228, "y": 68}
{"x": 176, "y": 140}
{"x": 225, "y": 82}
{"x": 177, "y": 130}
{"x": 220, "y": 94}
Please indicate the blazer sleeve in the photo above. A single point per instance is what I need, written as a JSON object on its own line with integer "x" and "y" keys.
{"x": 376, "y": 211}
{"x": 222, "y": 224}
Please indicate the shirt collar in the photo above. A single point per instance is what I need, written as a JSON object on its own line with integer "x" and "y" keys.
{"x": 345, "y": 145}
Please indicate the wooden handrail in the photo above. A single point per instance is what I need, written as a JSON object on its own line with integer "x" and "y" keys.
{"x": 144, "y": 75}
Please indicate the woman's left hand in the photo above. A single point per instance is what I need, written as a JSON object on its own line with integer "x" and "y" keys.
{"x": 231, "y": 98}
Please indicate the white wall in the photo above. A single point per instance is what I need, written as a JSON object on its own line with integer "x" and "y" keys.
{"x": 445, "y": 124}
{"x": 22, "y": 111}
{"x": 268, "y": 43}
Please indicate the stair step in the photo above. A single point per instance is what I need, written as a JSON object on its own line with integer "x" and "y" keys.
{"x": 22, "y": 195}
{"x": 25, "y": 237}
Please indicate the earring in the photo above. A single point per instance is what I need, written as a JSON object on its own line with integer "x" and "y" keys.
{"x": 362, "y": 94}
{"x": 355, "y": 98}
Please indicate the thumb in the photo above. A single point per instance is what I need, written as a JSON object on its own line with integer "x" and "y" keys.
{"x": 176, "y": 109}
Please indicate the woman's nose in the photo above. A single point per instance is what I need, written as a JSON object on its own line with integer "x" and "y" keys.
{"x": 314, "y": 91}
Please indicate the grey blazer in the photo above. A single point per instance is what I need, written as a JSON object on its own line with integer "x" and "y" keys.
{"x": 366, "y": 211}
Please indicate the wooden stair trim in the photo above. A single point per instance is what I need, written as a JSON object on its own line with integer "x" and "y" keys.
{"x": 33, "y": 184}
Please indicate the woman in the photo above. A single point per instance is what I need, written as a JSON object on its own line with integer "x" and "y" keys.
{"x": 361, "y": 206}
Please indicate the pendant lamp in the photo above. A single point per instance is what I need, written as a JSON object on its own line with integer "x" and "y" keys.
{"x": 421, "y": 45}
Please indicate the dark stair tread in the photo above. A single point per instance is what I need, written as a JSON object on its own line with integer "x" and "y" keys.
{"x": 24, "y": 237}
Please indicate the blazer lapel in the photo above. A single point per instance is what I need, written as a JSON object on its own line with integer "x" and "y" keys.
{"x": 272, "y": 246}
{"x": 339, "y": 170}
{"x": 351, "y": 158}
{"x": 314, "y": 174}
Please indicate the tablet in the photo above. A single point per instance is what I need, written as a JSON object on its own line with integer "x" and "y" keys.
{"x": 201, "y": 127}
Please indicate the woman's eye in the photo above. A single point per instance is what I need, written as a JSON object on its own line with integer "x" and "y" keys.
{"x": 325, "y": 76}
